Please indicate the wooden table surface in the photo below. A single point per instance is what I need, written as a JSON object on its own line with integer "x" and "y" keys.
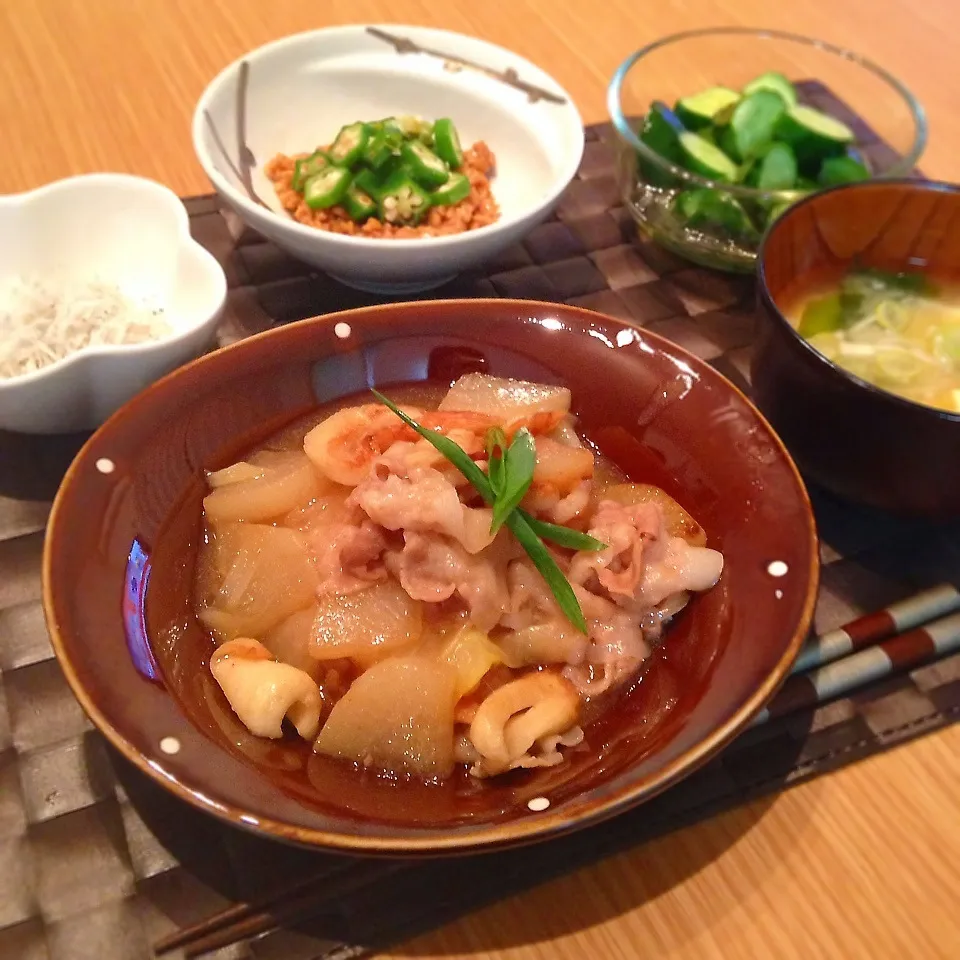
{"x": 860, "y": 863}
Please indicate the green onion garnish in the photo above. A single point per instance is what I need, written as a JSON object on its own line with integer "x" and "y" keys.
{"x": 496, "y": 441}
{"x": 525, "y": 528}
{"x": 562, "y": 536}
{"x": 515, "y": 476}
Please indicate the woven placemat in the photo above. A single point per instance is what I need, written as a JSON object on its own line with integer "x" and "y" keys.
{"x": 97, "y": 862}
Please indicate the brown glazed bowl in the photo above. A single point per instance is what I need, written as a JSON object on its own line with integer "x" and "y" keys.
{"x": 126, "y": 522}
{"x": 857, "y": 440}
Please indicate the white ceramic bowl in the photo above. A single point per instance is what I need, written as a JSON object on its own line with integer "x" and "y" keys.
{"x": 118, "y": 230}
{"x": 299, "y": 91}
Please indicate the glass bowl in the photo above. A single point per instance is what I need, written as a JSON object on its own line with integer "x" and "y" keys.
{"x": 686, "y": 63}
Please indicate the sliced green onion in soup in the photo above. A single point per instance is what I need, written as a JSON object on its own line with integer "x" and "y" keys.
{"x": 950, "y": 343}
{"x": 893, "y": 315}
{"x": 901, "y": 366}
{"x": 827, "y": 343}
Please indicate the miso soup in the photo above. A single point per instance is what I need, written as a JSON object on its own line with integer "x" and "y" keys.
{"x": 897, "y": 331}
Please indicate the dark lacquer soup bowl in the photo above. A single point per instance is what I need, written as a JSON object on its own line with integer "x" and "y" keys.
{"x": 125, "y": 528}
{"x": 864, "y": 443}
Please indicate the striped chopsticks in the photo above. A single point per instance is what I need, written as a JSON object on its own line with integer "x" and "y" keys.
{"x": 313, "y": 897}
{"x": 897, "y": 638}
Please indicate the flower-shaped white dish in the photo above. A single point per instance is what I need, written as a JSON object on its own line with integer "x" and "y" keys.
{"x": 120, "y": 231}
{"x": 295, "y": 94}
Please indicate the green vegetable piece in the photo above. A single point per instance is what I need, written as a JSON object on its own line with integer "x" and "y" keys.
{"x": 838, "y": 170}
{"x": 745, "y": 170}
{"x": 871, "y": 282}
{"x": 726, "y": 141}
{"x": 915, "y": 283}
{"x": 403, "y": 128}
{"x": 308, "y": 167}
{"x": 519, "y": 462}
{"x": 391, "y": 127}
{"x": 700, "y": 156}
{"x": 327, "y": 188}
{"x": 392, "y": 124}
{"x": 402, "y": 201}
{"x": 823, "y": 315}
{"x": 660, "y": 132}
{"x": 548, "y": 569}
{"x": 703, "y": 207}
{"x": 423, "y": 164}
{"x": 753, "y": 123}
{"x": 425, "y": 136}
{"x": 813, "y": 136}
{"x": 381, "y": 146}
{"x": 723, "y": 118}
{"x": 562, "y": 536}
{"x": 413, "y": 127}
{"x": 688, "y": 203}
{"x": 668, "y": 117}
{"x": 776, "y": 169}
{"x": 518, "y": 521}
{"x": 495, "y": 473}
{"x": 350, "y": 144}
{"x": 373, "y": 182}
{"x": 775, "y": 83}
{"x": 701, "y": 110}
{"x": 446, "y": 141}
{"x": 391, "y": 167}
{"x": 367, "y": 181}
{"x": 951, "y": 343}
{"x": 360, "y": 206}
{"x": 496, "y": 445}
{"x": 778, "y": 210}
{"x": 456, "y": 188}
{"x": 802, "y": 121}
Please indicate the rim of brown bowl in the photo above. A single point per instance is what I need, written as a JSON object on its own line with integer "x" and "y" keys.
{"x": 487, "y": 837}
{"x": 767, "y": 298}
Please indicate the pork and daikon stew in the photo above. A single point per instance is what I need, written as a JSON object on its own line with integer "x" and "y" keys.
{"x": 414, "y": 584}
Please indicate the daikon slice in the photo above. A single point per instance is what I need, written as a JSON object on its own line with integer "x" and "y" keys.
{"x": 213, "y": 564}
{"x": 290, "y": 640}
{"x": 366, "y": 626}
{"x": 553, "y": 642}
{"x": 565, "y": 432}
{"x": 472, "y": 653}
{"x": 561, "y": 466}
{"x": 236, "y": 472}
{"x": 321, "y": 515}
{"x": 397, "y": 717}
{"x": 505, "y": 399}
{"x": 266, "y": 490}
{"x": 254, "y": 576}
{"x": 679, "y": 523}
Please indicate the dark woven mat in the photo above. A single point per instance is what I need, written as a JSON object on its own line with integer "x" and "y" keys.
{"x": 97, "y": 862}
